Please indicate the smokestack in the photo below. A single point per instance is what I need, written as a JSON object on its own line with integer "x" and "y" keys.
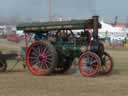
{"x": 95, "y": 26}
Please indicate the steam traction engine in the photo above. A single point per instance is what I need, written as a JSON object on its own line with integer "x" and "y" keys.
{"x": 52, "y": 47}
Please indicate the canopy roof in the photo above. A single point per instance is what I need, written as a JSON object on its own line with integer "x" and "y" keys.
{"x": 46, "y": 26}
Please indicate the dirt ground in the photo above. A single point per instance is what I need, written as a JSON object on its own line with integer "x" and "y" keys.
{"x": 20, "y": 82}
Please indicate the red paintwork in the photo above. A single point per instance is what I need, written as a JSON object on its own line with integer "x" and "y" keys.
{"x": 14, "y": 38}
{"x": 43, "y": 55}
{"x": 82, "y": 65}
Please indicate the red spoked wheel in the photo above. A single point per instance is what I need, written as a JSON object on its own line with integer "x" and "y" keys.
{"x": 41, "y": 58}
{"x": 107, "y": 64}
{"x": 89, "y": 64}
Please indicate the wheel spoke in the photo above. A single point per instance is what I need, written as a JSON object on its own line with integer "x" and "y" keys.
{"x": 87, "y": 59}
{"x": 35, "y": 61}
{"x": 88, "y": 69}
{"x": 36, "y": 52}
{"x": 92, "y": 62}
{"x": 49, "y": 61}
{"x": 38, "y": 49}
{"x": 45, "y": 49}
{"x": 107, "y": 58}
{"x": 49, "y": 55}
{"x": 41, "y": 49}
{"x": 41, "y": 65}
{"x": 46, "y": 65}
{"x": 33, "y": 57}
{"x": 102, "y": 68}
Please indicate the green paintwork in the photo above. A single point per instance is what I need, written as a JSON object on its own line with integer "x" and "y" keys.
{"x": 47, "y": 26}
{"x": 71, "y": 49}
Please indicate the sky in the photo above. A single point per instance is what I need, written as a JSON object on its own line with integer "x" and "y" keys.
{"x": 76, "y": 9}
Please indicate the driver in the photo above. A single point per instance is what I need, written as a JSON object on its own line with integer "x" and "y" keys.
{"x": 52, "y": 38}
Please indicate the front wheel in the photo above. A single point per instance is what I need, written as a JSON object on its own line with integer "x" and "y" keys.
{"x": 107, "y": 64}
{"x": 89, "y": 64}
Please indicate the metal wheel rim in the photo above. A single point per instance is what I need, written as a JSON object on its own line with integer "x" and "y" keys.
{"x": 92, "y": 67}
{"x": 39, "y": 62}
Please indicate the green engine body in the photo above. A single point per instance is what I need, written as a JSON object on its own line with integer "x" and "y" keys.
{"x": 62, "y": 37}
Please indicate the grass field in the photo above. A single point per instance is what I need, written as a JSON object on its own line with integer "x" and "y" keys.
{"x": 20, "y": 82}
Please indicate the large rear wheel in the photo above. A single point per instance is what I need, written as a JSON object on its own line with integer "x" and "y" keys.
{"x": 41, "y": 58}
{"x": 63, "y": 66}
{"x": 89, "y": 64}
{"x": 64, "y": 62}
